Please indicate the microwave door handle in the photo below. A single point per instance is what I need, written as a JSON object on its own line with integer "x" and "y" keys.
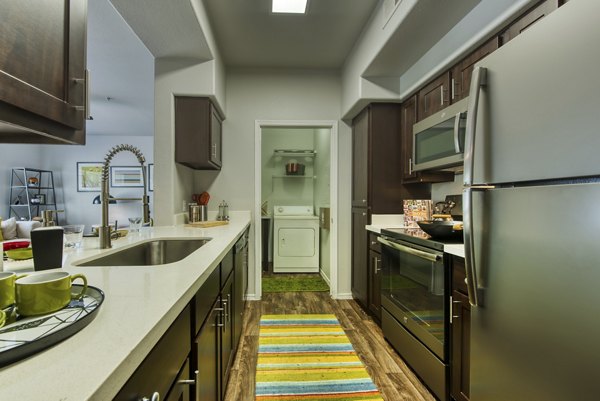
{"x": 478, "y": 79}
{"x": 415, "y": 252}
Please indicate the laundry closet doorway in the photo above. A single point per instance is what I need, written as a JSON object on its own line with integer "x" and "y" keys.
{"x": 296, "y": 169}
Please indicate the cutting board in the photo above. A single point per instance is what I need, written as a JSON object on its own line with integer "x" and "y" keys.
{"x": 205, "y": 224}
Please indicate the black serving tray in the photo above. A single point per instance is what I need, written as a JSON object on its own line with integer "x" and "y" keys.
{"x": 26, "y": 336}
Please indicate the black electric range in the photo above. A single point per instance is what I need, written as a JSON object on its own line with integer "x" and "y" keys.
{"x": 418, "y": 237}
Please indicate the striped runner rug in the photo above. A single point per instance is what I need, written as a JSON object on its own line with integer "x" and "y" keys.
{"x": 309, "y": 358}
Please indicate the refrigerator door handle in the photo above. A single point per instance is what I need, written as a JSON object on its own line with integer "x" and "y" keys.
{"x": 470, "y": 269}
{"x": 478, "y": 79}
{"x": 457, "y": 120}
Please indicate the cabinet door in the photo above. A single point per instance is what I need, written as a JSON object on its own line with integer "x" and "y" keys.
{"x": 359, "y": 256}
{"x": 197, "y": 133}
{"x": 227, "y": 332}
{"x": 181, "y": 388}
{"x": 461, "y": 346}
{"x": 208, "y": 353}
{"x": 160, "y": 369}
{"x": 375, "y": 283}
{"x": 42, "y": 70}
{"x": 461, "y": 73}
{"x": 360, "y": 159}
{"x": 216, "y": 128}
{"x": 434, "y": 96}
{"x": 238, "y": 305}
{"x": 529, "y": 19}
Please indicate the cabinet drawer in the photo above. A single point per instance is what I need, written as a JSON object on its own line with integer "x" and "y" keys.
{"x": 374, "y": 245}
{"x": 160, "y": 369}
{"x": 459, "y": 274}
{"x": 205, "y": 298}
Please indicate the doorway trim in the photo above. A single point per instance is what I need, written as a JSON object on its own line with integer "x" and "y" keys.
{"x": 332, "y": 125}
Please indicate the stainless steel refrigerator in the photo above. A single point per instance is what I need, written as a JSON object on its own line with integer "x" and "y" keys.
{"x": 531, "y": 206}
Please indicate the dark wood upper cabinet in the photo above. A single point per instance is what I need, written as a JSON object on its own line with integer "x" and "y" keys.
{"x": 528, "y": 19}
{"x": 43, "y": 71}
{"x": 408, "y": 118}
{"x": 198, "y": 133}
{"x": 434, "y": 96}
{"x": 461, "y": 72}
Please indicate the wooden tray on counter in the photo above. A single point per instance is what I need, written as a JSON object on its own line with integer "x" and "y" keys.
{"x": 206, "y": 224}
{"x": 26, "y": 336}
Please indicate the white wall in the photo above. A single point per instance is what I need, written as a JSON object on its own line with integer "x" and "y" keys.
{"x": 62, "y": 161}
{"x": 322, "y": 192}
{"x": 277, "y": 95}
{"x": 175, "y": 77}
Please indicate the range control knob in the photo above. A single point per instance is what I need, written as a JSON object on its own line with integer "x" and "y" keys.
{"x": 280, "y": 209}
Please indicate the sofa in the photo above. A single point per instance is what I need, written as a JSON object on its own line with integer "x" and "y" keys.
{"x": 15, "y": 231}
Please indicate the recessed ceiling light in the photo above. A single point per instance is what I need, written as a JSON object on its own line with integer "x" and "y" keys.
{"x": 289, "y": 6}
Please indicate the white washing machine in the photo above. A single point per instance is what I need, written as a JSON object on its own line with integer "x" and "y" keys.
{"x": 295, "y": 240}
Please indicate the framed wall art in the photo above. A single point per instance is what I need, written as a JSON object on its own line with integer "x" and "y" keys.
{"x": 126, "y": 176}
{"x": 89, "y": 176}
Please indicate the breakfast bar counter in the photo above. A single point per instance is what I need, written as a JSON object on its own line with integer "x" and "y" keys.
{"x": 140, "y": 304}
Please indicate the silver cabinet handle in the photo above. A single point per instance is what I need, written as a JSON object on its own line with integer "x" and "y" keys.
{"x": 410, "y": 166}
{"x": 442, "y": 95}
{"x": 364, "y": 214}
{"x": 478, "y": 80}
{"x": 373, "y": 242}
{"x": 86, "y": 100}
{"x": 452, "y": 84}
{"x": 189, "y": 382}
{"x": 364, "y": 201}
{"x": 457, "y": 121}
{"x": 432, "y": 257}
{"x": 155, "y": 397}
{"x": 220, "y": 316}
{"x": 376, "y": 268}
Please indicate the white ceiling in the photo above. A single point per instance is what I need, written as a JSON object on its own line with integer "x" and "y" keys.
{"x": 248, "y": 34}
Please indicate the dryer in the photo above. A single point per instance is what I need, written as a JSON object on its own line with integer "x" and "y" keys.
{"x": 295, "y": 240}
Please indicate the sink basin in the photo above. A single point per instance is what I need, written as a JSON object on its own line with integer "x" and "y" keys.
{"x": 156, "y": 252}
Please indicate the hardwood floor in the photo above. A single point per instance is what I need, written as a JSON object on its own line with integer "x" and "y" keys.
{"x": 394, "y": 379}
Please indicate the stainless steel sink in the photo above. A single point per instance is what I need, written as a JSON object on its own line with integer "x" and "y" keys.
{"x": 156, "y": 252}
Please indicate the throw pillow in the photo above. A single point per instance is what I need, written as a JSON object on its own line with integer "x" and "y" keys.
{"x": 9, "y": 229}
{"x": 24, "y": 228}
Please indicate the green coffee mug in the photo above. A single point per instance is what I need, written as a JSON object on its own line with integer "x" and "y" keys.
{"x": 39, "y": 294}
{"x": 7, "y": 288}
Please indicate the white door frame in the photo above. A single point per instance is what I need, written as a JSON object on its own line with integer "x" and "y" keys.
{"x": 332, "y": 125}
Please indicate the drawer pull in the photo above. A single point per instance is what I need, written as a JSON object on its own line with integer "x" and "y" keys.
{"x": 155, "y": 397}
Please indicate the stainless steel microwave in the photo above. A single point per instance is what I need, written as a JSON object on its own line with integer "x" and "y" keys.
{"x": 438, "y": 140}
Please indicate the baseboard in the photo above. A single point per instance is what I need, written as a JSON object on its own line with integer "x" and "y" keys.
{"x": 325, "y": 278}
{"x": 347, "y": 295}
{"x": 252, "y": 297}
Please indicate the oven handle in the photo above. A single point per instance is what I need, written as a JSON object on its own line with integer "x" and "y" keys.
{"x": 421, "y": 254}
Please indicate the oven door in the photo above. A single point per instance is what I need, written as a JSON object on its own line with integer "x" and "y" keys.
{"x": 414, "y": 284}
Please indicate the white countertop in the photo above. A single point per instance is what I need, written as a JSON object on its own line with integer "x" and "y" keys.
{"x": 139, "y": 306}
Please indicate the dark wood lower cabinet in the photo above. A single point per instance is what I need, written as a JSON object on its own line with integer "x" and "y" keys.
{"x": 161, "y": 368}
{"x": 460, "y": 346}
{"x": 207, "y": 346}
{"x": 227, "y": 347}
{"x": 181, "y": 390}
{"x": 360, "y": 286}
{"x": 193, "y": 358}
{"x": 375, "y": 284}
